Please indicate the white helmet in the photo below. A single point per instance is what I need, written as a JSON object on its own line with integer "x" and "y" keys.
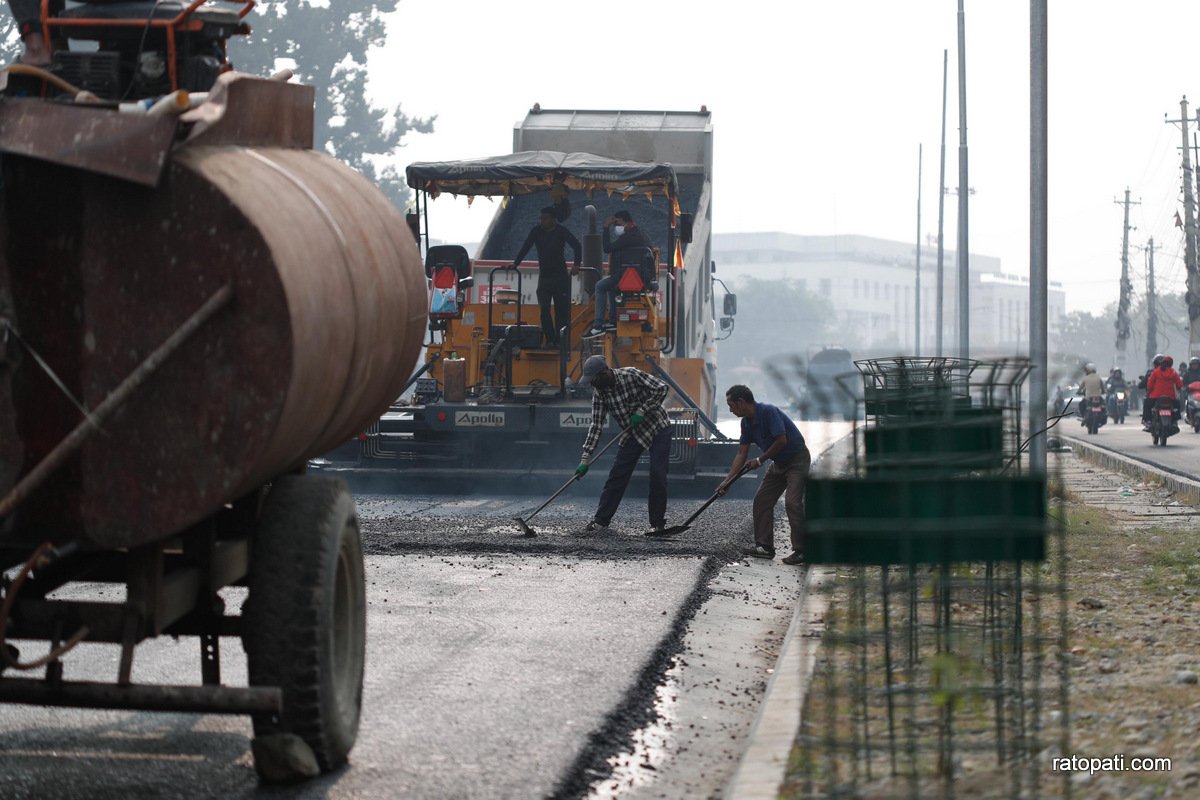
{"x": 1089, "y": 368}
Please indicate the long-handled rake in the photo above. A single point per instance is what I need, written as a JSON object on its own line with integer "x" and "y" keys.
{"x": 674, "y": 529}
{"x": 524, "y": 523}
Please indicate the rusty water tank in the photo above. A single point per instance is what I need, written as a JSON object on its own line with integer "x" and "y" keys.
{"x": 96, "y": 271}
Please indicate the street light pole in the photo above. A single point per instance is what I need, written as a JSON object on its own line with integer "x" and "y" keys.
{"x": 1038, "y": 234}
{"x": 941, "y": 279}
{"x": 920, "y": 156}
{"x": 964, "y": 288}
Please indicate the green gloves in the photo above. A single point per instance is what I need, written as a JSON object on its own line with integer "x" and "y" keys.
{"x": 635, "y": 419}
{"x": 581, "y": 470}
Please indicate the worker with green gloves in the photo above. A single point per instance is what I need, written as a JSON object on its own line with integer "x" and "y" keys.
{"x": 635, "y": 400}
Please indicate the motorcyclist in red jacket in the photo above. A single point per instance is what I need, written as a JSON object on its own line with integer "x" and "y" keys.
{"x": 1163, "y": 381}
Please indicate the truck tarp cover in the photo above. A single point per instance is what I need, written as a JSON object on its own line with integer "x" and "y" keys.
{"x": 535, "y": 171}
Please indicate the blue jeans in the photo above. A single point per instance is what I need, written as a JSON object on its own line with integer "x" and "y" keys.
{"x": 606, "y": 300}
{"x": 622, "y": 470}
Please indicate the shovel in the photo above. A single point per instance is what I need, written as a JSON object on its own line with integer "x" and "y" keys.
{"x": 524, "y": 523}
{"x": 674, "y": 529}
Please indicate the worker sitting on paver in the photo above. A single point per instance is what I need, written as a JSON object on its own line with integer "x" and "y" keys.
{"x": 628, "y": 236}
{"x": 1163, "y": 381}
{"x": 635, "y": 400}
{"x": 781, "y": 443}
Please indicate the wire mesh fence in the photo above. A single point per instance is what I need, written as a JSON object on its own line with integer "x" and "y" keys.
{"x": 941, "y": 669}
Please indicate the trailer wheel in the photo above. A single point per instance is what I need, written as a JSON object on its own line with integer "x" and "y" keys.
{"x": 304, "y": 623}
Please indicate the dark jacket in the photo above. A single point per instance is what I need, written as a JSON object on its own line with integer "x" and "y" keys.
{"x": 551, "y": 246}
{"x": 632, "y": 237}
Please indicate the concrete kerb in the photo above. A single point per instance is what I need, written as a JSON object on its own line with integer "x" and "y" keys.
{"x": 1185, "y": 490}
{"x": 764, "y": 763}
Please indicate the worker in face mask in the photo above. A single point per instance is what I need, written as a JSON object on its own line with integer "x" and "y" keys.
{"x": 620, "y": 233}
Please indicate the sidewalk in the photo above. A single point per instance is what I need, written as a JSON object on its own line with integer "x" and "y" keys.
{"x": 764, "y": 764}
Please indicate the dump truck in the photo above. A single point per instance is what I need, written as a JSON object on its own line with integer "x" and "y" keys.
{"x": 492, "y": 402}
{"x": 193, "y": 303}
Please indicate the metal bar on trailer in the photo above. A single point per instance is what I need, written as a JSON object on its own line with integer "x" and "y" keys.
{"x": 143, "y": 697}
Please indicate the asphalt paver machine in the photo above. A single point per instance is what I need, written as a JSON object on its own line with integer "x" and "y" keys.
{"x": 491, "y": 401}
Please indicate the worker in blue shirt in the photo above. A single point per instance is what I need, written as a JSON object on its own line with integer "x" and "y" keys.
{"x": 782, "y": 444}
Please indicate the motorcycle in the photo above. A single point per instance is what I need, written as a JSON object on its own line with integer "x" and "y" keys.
{"x": 1094, "y": 414}
{"x": 1118, "y": 405}
{"x": 1162, "y": 420}
{"x": 1192, "y": 406}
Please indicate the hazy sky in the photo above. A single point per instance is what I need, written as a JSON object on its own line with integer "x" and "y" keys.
{"x": 819, "y": 107}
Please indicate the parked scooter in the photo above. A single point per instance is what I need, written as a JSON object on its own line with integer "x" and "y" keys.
{"x": 1162, "y": 420}
{"x": 1192, "y": 405}
{"x": 1118, "y": 405}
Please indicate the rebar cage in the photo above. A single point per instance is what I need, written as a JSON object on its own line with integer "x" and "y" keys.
{"x": 941, "y": 668}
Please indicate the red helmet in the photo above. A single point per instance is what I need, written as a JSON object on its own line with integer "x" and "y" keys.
{"x": 1167, "y": 361}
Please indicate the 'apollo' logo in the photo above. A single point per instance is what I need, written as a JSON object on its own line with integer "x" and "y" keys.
{"x": 574, "y": 420}
{"x": 475, "y": 419}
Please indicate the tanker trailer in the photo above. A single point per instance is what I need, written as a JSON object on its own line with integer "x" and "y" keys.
{"x": 190, "y": 308}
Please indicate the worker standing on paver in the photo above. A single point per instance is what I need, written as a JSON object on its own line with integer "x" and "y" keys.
{"x": 554, "y": 281}
{"x": 635, "y": 400}
{"x": 782, "y": 444}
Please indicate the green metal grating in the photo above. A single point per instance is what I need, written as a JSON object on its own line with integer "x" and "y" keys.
{"x": 935, "y": 520}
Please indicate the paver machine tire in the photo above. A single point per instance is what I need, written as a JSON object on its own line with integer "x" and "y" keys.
{"x": 304, "y": 624}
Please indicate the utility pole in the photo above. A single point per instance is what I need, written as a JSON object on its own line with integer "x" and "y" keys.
{"x": 964, "y": 272}
{"x": 920, "y": 157}
{"x": 1196, "y": 155}
{"x": 1151, "y": 312}
{"x": 941, "y": 280}
{"x": 1126, "y": 287}
{"x": 1192, "y": 297}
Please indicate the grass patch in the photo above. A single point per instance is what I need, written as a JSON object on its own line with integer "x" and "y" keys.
{"x": 1130, "y": 607}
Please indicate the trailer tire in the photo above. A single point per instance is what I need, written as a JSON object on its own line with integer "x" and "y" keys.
{"x": 304, "y": 622}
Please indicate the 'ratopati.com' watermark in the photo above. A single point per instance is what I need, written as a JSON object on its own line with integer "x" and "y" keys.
{"x": 1115, "y": 763}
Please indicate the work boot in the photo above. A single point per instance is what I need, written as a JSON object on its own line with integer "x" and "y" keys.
{"x": 595, "y": 528}
{"x": 657, "y": 530}
{"x": 794, "y": 559}
{"x": 758, "y": 551}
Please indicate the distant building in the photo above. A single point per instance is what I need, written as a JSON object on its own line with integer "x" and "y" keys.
{"x": 870, "y": 284}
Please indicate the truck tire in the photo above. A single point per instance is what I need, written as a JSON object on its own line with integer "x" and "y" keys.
{"x": 304, "y": 623}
